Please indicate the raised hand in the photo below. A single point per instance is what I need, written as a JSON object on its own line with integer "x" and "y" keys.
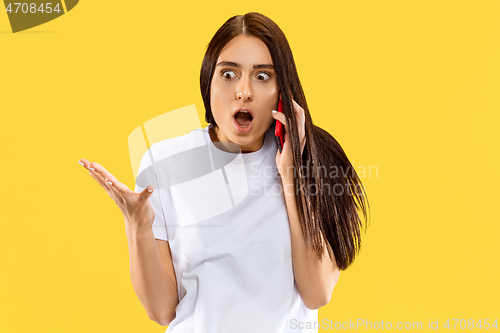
{"x": 135, "y": 207}
{"x": 284, "y": 160}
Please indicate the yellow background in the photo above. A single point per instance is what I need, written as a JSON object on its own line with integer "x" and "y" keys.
{"x": 412, "y": 88}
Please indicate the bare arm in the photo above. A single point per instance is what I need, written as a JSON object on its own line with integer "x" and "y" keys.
{"x": 151, "y": 268}
{"x": 315, "y": 278}
{"x": 152, "y": 274}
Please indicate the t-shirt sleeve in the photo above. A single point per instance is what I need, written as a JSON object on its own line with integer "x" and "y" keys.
{"x": 147, "y": 176}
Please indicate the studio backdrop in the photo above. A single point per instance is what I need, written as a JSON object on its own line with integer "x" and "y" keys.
{"x": 411, "y": 90}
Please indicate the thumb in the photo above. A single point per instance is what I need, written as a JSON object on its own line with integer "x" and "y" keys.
{"x": 147, "y": 193}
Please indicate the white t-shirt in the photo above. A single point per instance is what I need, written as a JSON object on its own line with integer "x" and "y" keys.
{"x": 225, "y": 218}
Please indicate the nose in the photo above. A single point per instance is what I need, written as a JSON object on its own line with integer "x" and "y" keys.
{"x": 243, "y": 91}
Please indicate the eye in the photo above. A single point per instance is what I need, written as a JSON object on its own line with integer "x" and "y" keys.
{"x": 264, "y": 74}
{"x": 226, "y": 74}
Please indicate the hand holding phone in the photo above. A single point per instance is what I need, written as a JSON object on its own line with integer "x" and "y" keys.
{"x": 279, "y": 130}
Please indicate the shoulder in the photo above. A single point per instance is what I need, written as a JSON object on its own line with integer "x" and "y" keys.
{"x": 172, "y": 146}
{"x": 179, "y": 144}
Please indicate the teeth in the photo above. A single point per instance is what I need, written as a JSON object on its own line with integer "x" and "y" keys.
{"x": 243, "y": 112}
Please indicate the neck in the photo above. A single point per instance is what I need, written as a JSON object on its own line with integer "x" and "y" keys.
{"x": 226, "y": 145}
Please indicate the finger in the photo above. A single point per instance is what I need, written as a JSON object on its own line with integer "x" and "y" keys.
{"x": 300, "y": 114}
{"x": 110, "y": 181}
{"x": 120, "y": 188}
{"x": 279, "y": 116}
{"x": 98, "y": 177}
{"x": 99, "y": 181}
{"x": 99, "y": 170}
{"x": 299, "y": 111}
{"x": 83, "y": 162}
{"x": 112, "y": 193}
{"x": 284, "y": 120}
{"x": 86, "y": 164}
{"x": 147, "y": 192}
{"x": 286, "y": 141}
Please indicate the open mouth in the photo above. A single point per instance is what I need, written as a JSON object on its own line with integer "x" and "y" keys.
{"x": 243, "y": 118}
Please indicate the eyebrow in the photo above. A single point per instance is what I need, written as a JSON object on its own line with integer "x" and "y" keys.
{"x": 234, "y": 64}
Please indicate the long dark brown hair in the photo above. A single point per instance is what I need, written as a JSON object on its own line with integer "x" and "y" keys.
{"x": 327, "y": 205}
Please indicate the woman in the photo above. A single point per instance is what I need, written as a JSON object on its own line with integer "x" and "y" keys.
{"x": 270, "y": 260}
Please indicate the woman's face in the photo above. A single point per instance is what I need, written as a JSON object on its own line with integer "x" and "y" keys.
{"x": 244, "y": 77}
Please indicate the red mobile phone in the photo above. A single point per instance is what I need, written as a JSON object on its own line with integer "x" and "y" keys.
{"x": 279, "y": 129}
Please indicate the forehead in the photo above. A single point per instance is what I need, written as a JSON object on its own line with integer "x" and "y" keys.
{"x": 246, "y": 50}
